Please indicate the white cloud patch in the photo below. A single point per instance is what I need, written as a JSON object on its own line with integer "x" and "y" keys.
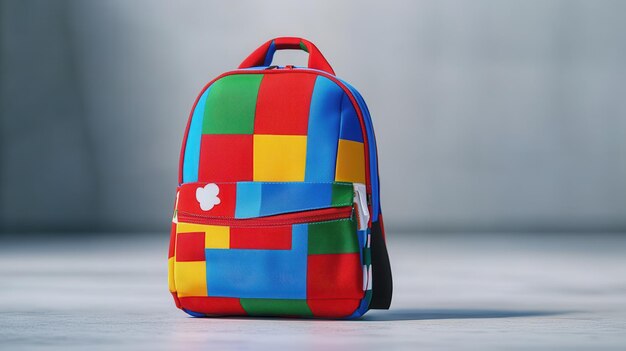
{"x": 207, "y": 196}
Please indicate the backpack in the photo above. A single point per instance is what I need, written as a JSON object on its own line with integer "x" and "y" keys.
{"x": 277, "y": 210}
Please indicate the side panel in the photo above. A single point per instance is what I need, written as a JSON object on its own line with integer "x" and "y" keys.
{"x": 381, "y": 266}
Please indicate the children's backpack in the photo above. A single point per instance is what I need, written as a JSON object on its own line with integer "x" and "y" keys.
{"x": 277, "y": 209}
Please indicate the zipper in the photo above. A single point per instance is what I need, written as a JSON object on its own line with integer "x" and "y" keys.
{"x": 326, "y": 214}
{"x": 278, "y": 67}
{"x": 361, "y": 202}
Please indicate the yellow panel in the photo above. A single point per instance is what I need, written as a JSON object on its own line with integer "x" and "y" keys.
{"x": 217, "y": 237}
{"x": 279, "y": 158}
{"x": 350, "y": 162}
{"x": 190, "y": 228}
{"x": 170, "y": 274}
{"x": 190, "y": 278}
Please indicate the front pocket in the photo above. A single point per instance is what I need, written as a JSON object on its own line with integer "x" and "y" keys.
{"x": 260, "y": 199}
{"x": 306, "y": 263}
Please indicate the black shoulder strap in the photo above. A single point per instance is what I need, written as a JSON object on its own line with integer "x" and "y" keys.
{"x": 382, "y": 284}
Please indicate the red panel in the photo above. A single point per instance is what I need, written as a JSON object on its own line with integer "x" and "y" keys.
{"x": 187, "y": 201}
{"x": 176, "y": 300}
{"x": 225, "y": 158}
{"x": 333, "y": 308}
{"x": 334, "y": 276}
{"x": 212, "y": 305}
{"x": 172, "y": 241}
{"x": 190, "y": 247}
{"x": 283, "y": 104}
{"x": 268, "y": 238}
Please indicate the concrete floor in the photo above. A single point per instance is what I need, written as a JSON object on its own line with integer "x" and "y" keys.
{"x": 463, "y": 292}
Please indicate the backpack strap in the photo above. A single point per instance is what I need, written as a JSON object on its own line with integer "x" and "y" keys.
{"x": 382, "y": 284}
{"x": 264, "y": 54}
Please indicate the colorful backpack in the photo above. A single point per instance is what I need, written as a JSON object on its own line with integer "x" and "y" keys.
{"x": 277, "y": 210}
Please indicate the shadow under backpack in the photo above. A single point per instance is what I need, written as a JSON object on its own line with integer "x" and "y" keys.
{"x": 277, "y": 210}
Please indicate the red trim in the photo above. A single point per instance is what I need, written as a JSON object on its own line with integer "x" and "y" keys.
{"x": 325, "y": 214}
{"x": 279, "y": 71}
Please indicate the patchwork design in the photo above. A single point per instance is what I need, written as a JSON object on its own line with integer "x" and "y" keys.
{"x": 274, "y": 127}
{"x": 278, "y": 179}
{"x": 263, "y": 145}
{"x": 268, "y": 270}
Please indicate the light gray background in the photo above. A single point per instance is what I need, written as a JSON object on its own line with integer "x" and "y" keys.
{"x": 490, "y": 115}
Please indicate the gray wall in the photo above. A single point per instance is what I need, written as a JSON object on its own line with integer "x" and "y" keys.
{"x": 490, "y": 115}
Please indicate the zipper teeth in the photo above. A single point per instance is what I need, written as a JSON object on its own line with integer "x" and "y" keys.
{"x": 270, "y": 221}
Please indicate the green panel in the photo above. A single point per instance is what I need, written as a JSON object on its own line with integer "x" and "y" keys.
{"x": 231, "y": 104}
{"x": 343, "y": 194}
{"x": 333, "y": 237}
{"x": 276, "y": 307}
{"x": 367, "y": 256}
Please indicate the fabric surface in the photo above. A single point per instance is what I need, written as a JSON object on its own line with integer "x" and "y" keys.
{"x": 287, "y": 147}
{"x": 274, "y": 127}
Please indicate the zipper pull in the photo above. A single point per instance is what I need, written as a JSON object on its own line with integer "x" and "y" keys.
{"x": 272, "y": 67}
{"x": 289, "y": 67}
{"x": 175, "y": 217}
{"x": 360, "y": 200}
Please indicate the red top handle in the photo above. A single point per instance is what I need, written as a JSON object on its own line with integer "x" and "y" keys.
{"x": 265, "y": 53}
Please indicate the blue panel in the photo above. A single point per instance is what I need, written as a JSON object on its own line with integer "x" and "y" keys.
{"x": 194, "y": 314}
{"x": 248, "y": 203}
{"x": 291, "y": 197}
{"x": 362, "y": 236}
{"x": 323, "y": 132}
{"x": 270, "y": 274}
{"x": 350, "y": 125}
{"x": 191, "y": 159}
{"x": 363, "y": 306}
{"x": 270, "y": 54}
